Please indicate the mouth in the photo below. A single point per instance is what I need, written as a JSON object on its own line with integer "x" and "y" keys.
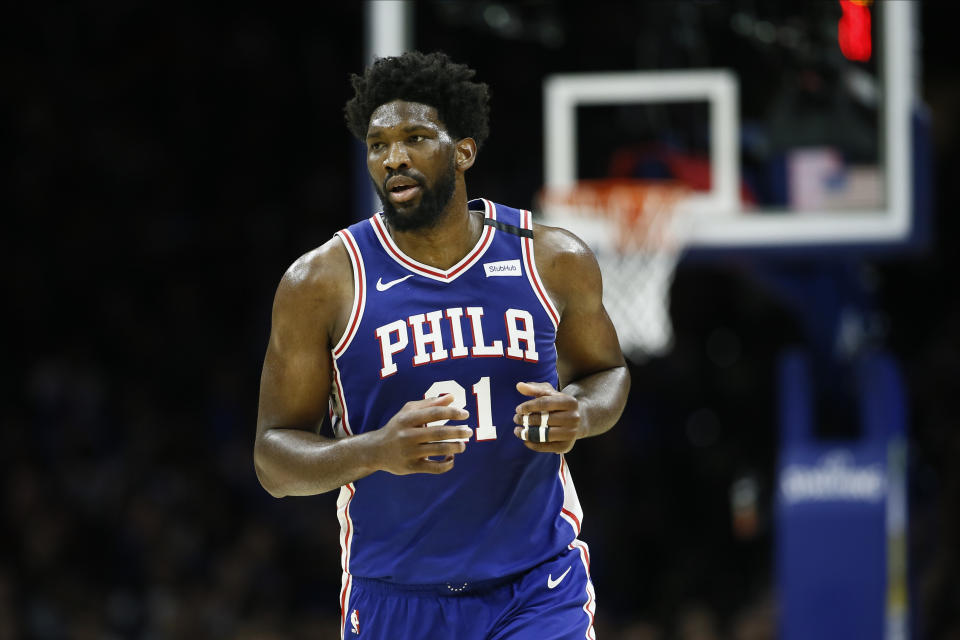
{"x": 404, "y": 193}
{"x": 402, "y": 189}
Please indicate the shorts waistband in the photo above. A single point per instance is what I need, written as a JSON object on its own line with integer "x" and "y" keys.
{"x": 456, "y": 588}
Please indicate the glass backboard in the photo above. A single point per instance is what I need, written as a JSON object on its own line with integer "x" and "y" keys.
{"x": 786, "y": 141}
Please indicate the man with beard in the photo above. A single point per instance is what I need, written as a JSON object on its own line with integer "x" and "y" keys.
{"x": 459, "y": 348}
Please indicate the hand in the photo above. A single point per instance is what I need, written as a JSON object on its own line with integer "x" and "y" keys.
{"x": 404, "y": 445}
{"x": 563, "y": 417}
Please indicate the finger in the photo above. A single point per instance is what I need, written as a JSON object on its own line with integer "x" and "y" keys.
{"x": 555, "y": 418}
{"x": 432, "y": 466}
{"x": 535, "y": 434}
{"x": 552, "y": 434}
{"x": 533, "y": 419}
{"x": 448, "y": 433}
{"x": 423, "y": 415}
{"x": 445, "y": 449}
{"x": 435, "y": 464}
{"x": 550, "y": 447}
{"x": 539, "y": 433}
{"x": 550, "y": 403}
{"x": 442, "y": 400}
{"x": 535, "y": 389}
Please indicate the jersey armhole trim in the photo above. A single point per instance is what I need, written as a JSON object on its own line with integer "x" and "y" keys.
{"x": 570, "y": 510}
{"x": 526, "y": 221}
{"x": 341, "y": 400}
{"x": 359, "y": 292}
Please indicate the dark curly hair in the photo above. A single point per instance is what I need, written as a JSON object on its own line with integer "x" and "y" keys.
{"x": 462, "y": 105}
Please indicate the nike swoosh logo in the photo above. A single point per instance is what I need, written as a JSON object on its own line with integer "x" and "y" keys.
{"x": 551, "y": 583}
{"x": 383, "y": 286}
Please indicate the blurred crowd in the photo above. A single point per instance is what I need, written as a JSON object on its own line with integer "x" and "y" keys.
{"x": 123, "y": 518}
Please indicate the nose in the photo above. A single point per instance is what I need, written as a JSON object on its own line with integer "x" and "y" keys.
{"x": 396, "y": 157}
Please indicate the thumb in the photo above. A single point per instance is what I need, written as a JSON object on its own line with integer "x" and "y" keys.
{"x": 535, "y": 389}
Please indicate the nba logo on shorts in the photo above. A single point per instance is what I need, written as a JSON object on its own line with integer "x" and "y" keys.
{"x": 355, "y": 620}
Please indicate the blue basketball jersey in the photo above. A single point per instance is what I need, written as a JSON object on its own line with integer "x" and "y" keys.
{"x": 473, "y": 330}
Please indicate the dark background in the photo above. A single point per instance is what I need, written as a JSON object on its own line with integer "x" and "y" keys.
{"x": 165, "y": 166}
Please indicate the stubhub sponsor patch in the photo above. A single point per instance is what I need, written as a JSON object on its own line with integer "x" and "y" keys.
{"x": 503, "y": 268}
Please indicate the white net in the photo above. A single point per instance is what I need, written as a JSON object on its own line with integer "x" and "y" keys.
{"x": 637, "y": 238}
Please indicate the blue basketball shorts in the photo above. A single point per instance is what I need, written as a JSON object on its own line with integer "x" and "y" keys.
{"x": 552, "y": 601}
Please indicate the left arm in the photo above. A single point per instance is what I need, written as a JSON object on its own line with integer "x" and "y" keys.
{"x": 594, "y": 379}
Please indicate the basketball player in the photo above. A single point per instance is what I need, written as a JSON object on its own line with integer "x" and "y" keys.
{"x": 460, "y": 347}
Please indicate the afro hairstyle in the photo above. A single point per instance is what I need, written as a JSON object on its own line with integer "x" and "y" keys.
{"x": 462, "y": 105}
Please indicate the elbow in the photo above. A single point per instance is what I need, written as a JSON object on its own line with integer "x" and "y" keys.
{"x": 620, "y": 402}
{"x": 627, "y": 382}
{"x": 268, "y": 483}
{"x": 274, "y": 491}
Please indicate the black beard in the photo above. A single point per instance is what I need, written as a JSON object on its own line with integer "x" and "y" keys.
{"x": 432, "y": 203}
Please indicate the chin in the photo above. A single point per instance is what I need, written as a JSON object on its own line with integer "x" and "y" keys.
{"x": 408, "y": 219}
{"x": 409, "y": 216}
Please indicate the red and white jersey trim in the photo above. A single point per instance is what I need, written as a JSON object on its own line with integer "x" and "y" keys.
{"x": 448, "y": 275}
{"x": 590, "y": 606}
{"x": 340, "y": 414}
{"x": 359, "y": 292}
{"x": 347, "y": 492}
{"x": 572, "y": 513}
{"x": 571, "y": 510}
{"x": 526, "y": 219}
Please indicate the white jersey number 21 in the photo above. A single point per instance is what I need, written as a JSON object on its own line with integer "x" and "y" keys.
{"x": 485, "y": 427}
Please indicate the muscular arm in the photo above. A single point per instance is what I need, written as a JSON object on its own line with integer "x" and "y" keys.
{"x": 290, "y": 456}
{"x": 594, "y": 379}
{"x": 312, "y": 306}
{"x": 589, "y": 359}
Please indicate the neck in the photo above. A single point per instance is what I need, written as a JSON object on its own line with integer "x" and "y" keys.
{"x": 445, "y": 243}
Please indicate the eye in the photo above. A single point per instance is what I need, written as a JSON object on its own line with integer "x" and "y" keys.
{"x": 376, "y": 146}
{"x": 417, "y": 138}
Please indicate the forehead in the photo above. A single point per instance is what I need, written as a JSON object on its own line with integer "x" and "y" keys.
{"x": 401, "y": 113}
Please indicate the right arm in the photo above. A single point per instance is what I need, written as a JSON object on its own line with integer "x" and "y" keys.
{"x": 312, "y": 305}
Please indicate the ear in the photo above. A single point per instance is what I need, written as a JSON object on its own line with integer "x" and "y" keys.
{"x": 466, "y": 153}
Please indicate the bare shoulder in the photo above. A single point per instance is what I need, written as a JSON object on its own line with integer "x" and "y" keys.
{"x": 319, "y": 268}
{"x": 566, "y": 265}
{"x": 318, "y": 286}
{"x": 321, "y": 272}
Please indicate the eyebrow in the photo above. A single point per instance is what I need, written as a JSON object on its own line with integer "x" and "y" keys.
{"x": 374, "y": 131}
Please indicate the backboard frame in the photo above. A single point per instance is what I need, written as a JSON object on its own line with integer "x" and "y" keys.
{"x": 719, "y": 221}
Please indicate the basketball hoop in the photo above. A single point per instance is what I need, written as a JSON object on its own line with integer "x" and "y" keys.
{"x": 633, "y": 229}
